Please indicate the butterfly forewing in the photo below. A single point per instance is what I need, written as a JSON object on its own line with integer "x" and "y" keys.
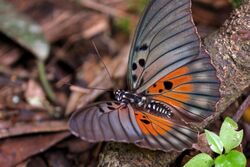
{"x": 106, "y": 121}
{"x": 166, "y": 39}
{"x": 192, "y": 89}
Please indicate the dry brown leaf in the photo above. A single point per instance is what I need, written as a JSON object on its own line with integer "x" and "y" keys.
{"x": 28, "y": 128}
{"x": 16, "y": 150}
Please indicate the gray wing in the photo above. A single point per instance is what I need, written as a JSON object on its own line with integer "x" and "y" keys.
{"x": 106, "y": 121}
{"x": 166, "y": 39}
{"x": 111, "y": 121}
{"x": 193, "y": 89}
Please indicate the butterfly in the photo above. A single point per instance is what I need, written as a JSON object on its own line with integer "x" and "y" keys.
{"x": 172, "y": 84}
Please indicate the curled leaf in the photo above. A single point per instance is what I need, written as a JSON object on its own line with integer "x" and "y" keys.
{"x": 229, "y": 136}
{"x": 214, "y": 142}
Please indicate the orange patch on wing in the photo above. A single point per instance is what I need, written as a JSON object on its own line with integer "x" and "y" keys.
{"x": 168, "y": 101}
{"x": 159, "y": 85}
{"x": 139, "y": 116}
{"x": 180, "y": 71}
{"x": 160, "y": 122}
{"x": 154, "y": 126}
{"x": 156, "y": 88}
{"x": 184, "y": 88}
{"x": 154, "y": 118}
{"x": 181, "y": 80}
{"x": 178, "y": 96}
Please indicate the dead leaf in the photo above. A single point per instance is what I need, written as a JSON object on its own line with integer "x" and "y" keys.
{"x": 36, "y": 127}
{"x": 16, "y": 150}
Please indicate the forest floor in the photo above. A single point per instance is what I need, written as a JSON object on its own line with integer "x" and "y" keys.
{"x": 34, "y": 114}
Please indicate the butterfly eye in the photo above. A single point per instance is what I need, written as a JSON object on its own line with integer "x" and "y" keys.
{"x": 117, "y": 92}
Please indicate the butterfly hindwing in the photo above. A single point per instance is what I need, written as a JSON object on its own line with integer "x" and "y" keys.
{"x": 164, "y": 134}
{"x": 106, "y": 121}
{"x": 111, "y": 121}
{"x": 166, "y": 39}
{"x": 192, "y": 89}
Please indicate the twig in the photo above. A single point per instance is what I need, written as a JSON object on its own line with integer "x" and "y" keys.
{"x": 242, "y": 109}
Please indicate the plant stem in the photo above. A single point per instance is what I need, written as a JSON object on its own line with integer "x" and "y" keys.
{"x": 44, "y": 80}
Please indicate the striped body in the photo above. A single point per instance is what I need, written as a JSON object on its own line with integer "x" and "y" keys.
{"x": 143, "y": 102}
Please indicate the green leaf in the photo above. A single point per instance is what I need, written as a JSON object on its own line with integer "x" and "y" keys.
{"x": 214, "y": 142}
{"x": 232, "y": 159}
{"x": 23, "y": 31}
{"x": 229, "y": 136}
{"x": 202, "y": 160}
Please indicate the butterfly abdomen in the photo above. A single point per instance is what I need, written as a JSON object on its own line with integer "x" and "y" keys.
{"x": 158, "y": 108}
{"x": 142, "y": 102}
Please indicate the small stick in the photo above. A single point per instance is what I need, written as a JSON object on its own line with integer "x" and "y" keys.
{"x": 85, "y": 90}
{"x": 242, "y": 109}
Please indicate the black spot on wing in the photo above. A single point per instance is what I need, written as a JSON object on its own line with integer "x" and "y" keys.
{"x": 142, "y": 47}
{"x": 145, "y": 121}
{"x": 134, "y": 66}
{"x": 101, "y": 110}
{"x": 117, "y": 103}
{"x": 111, "y": 108}
{"x": 134, "y": 78}
{"x": 168, "y": 85}
{"x": 142, "y": 62}
{"x": 109, "y": 103}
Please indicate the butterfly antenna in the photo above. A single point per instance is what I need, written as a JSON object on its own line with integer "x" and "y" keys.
{"x": 83, "y": 90}
{"x": 99, "y": 56}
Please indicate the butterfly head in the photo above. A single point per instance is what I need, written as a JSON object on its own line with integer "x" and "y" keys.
{"x": 119, "y": 94}
{"x": 123, "y": 96}
{"x": 128, "y": 97}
